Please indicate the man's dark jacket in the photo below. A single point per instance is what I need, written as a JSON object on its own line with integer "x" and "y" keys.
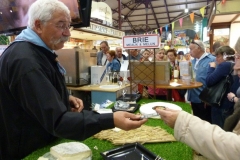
{"x": 34, "y": 106}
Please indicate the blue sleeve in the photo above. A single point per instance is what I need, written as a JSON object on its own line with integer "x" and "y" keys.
{"x": 216, "y": 75}
{"x": 116, "y": 66}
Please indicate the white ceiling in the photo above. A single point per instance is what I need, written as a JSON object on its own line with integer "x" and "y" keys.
{"x": 159, "y": 12}
{"x": 224, "y": 18}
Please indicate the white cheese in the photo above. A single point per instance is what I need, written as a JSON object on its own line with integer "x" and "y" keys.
{"x": 71, "y": 151}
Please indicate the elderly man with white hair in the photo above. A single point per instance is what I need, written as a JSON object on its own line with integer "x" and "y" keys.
{"x": 200, "y": 65}
{"x": 119, "y": 55}
{"x": 35, "y": 105}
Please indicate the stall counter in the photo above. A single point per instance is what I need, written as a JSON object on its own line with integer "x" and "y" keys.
{"x": 169, "y": 150}
{"x": 100, "y": 95}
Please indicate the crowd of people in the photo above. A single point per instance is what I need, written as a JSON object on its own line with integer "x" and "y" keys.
{"x": 207, "y": 121}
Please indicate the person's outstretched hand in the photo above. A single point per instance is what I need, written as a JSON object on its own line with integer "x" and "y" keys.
{"x": 169, "y": 116}
{"x": 127, "y": 121}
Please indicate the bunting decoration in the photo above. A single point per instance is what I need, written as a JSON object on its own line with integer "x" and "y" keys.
{"x": 180, "y": 22}
{"x": 202, "y": 11}
{"x": 192, "y": 16}
{"x": 173, "y": 26}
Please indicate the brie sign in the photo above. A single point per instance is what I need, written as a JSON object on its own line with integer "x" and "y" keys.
{"x": 141, "y": 41}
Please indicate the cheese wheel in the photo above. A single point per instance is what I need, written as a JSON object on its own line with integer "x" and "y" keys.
{"x": 71, "y": 151}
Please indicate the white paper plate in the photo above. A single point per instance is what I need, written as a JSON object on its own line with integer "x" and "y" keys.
{"x": 175, "y": 84}
{"x": 147, "y": 108}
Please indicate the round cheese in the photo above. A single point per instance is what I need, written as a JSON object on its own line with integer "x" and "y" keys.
{"x": 71, "y": 151}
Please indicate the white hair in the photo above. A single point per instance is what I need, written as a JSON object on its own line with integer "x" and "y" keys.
{"x": 43, "y": 10}
{"x": 201, "y": 44}
{"x": 118, "y": 48}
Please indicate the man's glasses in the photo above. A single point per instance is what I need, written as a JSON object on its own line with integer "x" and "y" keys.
{"x": 63, "y": 26}
{"x": 193, "y": 42}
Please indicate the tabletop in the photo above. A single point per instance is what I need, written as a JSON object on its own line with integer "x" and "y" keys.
{"x": 97, "y": 88}
{"x": 181, "y": 86}
{"x": 169, "y": 150}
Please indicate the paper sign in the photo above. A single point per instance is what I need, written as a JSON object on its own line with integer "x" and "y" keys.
{"x": 141, "y": 41}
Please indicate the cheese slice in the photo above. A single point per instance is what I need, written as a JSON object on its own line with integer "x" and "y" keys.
{"x": 71, "y": 151}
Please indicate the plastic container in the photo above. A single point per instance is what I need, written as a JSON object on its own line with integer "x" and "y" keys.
{"x": 186, "y": 79}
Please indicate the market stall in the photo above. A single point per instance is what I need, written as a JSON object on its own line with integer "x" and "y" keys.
{"x": 166, "y": 150}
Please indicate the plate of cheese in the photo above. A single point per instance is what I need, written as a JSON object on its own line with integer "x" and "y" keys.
{"x": 147, "y": 109}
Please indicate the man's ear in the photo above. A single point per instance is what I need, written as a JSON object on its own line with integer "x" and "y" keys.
{"x": 38, "y": 26}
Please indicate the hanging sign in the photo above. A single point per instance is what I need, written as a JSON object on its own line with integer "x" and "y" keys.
{"x": 97, "y": 28}
{"x": 102, "y": 10}
{"x": 141, "y": 41}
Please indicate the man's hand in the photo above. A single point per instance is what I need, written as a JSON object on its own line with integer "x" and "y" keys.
{"x": 230, "y": 95}
{"x": 76, "y": 104}
{"x": 169, "y": 116}
{"x": 127, "y": 121}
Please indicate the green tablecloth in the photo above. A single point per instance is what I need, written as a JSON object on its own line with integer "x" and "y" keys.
{"x": 168, "y": 151}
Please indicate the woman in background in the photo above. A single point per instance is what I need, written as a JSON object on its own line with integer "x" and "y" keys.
{"x": 177, "y": 94}
{"x": 188, "y": 57}
{"x": 161, "y": 55}
{"x": 159, "y": 93}
{"x": 216, "y": 72}
{"x": 114, "y": 63}
{"x": 180, "y": 56}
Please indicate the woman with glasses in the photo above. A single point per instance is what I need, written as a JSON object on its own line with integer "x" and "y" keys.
{"x": 216, "y": 72}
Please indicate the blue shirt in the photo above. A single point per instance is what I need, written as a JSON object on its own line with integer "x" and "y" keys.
{"x": 201, "y": 74}
{"x": 114, "y": 65}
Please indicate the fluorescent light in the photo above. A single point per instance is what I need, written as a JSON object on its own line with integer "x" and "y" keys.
{"x": 186, "y": 10}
